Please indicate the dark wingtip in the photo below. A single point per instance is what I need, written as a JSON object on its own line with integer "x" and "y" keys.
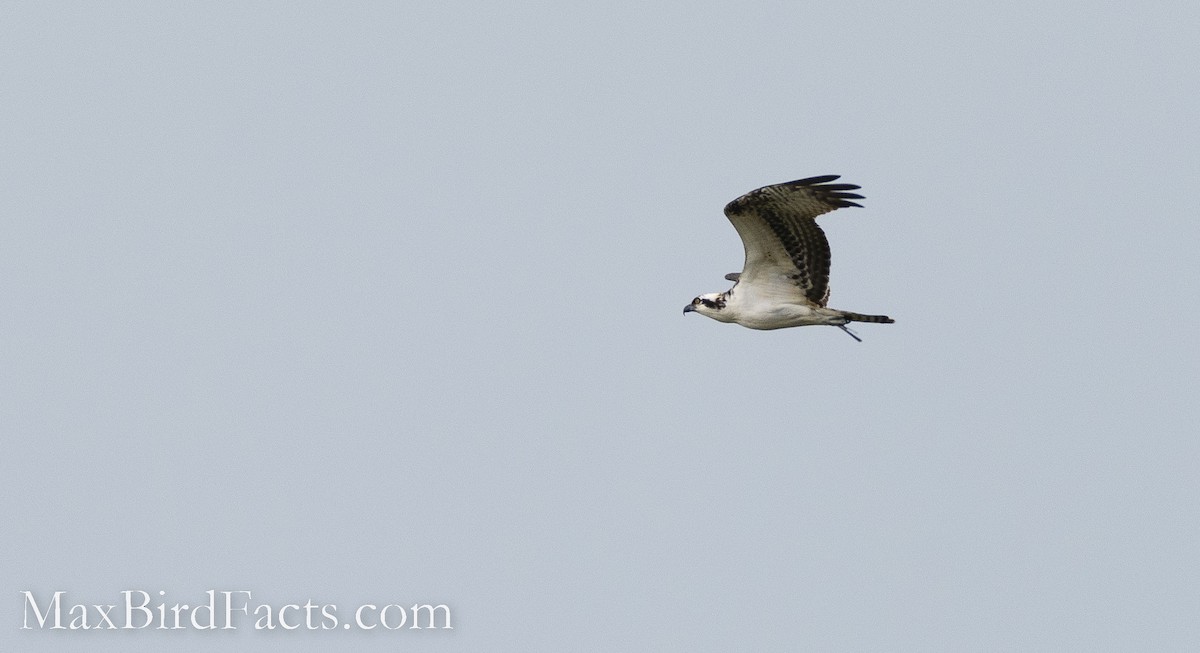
{"x": 833, "y": 195}
{"x": 820, "y": 179}
{"x": 836, "y": 194}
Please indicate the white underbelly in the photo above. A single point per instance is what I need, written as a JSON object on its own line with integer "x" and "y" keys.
{"x": 782, "y": 316}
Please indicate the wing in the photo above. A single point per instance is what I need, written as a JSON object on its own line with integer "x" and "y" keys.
{"x": 786, "y": 252}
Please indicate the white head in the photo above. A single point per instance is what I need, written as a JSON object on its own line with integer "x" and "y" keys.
{"x": 711, "y": 305}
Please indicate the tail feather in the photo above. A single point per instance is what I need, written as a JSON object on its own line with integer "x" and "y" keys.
{"x": 859, "y": 317}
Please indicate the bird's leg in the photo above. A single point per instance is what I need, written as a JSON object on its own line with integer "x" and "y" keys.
{"x": 849, "y": 332}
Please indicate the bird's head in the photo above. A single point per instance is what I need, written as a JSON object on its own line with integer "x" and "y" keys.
{"x": 709, "y": 304}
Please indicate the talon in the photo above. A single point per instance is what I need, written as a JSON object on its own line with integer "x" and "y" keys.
{"x": 850, "y": 333}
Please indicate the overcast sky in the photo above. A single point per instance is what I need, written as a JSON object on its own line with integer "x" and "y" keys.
{"x": 381, "y": 303}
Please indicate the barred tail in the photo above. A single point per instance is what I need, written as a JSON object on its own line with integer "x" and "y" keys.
{"x": 859, "y": 317}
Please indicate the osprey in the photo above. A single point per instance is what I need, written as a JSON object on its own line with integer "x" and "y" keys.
{"x": 785, "y": 279}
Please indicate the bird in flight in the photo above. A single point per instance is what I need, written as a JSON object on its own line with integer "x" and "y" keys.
{"x": 785, "y": 279}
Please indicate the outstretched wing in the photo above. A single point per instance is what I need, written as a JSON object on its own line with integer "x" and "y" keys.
{"x": 786, "y": 252}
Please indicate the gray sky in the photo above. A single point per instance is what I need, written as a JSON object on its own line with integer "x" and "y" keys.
{"x": 382, "y": 304}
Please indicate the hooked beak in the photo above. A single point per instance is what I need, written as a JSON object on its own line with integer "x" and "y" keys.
{"x": 688, "y": 309}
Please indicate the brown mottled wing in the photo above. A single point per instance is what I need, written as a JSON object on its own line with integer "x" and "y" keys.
{"x": 786, "y": 252}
